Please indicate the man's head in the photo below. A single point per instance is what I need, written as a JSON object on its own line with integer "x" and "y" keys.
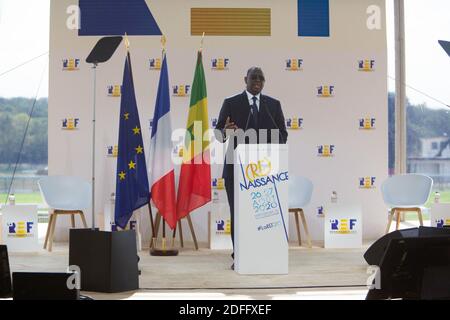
{"x": 255, "y": 80}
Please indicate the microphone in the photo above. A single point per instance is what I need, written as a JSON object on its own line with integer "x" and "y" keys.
{"x": 274, "y": 123}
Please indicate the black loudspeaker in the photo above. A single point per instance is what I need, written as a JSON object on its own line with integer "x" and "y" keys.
{"x": 5, "y": 275}
{"x": 108, "y": 261}
{"x": 375, "y": 253}
{"x": 43, "y": 286}
{"x": 415, "y": 268}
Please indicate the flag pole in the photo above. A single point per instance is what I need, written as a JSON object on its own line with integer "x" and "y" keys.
{"x": 201, "y": 41}
{"x": 154, "y": 237}
{"x": 163, "y": 240}
{"x": 127, "y": 48}
{"x": 163, "y": 251}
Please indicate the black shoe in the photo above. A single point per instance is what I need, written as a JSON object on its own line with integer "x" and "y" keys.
{"x": 232, "y": 266}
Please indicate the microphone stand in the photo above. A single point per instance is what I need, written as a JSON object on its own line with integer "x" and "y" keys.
{"x": 102, "y": 52}
{"x": 274, "y": 123}
{"x": 248, "y": 118}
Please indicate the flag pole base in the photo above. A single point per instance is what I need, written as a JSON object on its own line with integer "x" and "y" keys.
{"x": 163, "y": 253}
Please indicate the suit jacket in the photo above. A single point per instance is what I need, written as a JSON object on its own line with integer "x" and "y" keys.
{"x": 270, "y": 116}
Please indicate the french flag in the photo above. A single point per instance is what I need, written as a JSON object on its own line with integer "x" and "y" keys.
{"x": 160, "y": 166}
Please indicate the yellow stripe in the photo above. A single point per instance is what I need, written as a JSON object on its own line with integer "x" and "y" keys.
{"x": 231, "y": 21}
{"x": 197, "y": 112}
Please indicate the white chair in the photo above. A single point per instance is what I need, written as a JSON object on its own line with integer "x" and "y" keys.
{"x": 406, "y": 192}
{"x": 300, "y": 191}
{"x": 64, "y": 195}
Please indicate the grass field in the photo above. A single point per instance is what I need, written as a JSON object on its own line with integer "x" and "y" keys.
{"x": 24, "y": 198}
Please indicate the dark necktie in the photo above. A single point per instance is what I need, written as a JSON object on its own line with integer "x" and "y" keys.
{"x": 254, "y": 112}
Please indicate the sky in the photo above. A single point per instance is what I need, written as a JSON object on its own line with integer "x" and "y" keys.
{"x": 24, "y": 34}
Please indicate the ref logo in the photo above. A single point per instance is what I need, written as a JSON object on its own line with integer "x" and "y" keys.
{"x": 181, "y": 90}
{"x": 294, "y": 123}
{"x": 366, "y": 65}
{"x": 343, "y": 226}
{"x": 367, "y": 123}
{"x": 70, "y": 123}
{"x": 320, "y": 211}
{"x": 133, "y": 225}
{"x": 155, "y": 64}
{"x": 150, "y": 123}
{"x": 113, "y": 226}
{"x": 178, "y": 151}
{"x": 223, "y": 227}
{"x": 440, "y": 223}
{"x": 257, "y": 170}
{"x": 367, "y": 182}
{"x": 294, "y": 64}
{"x": 114, "y": 91}
{"x": 326, "y": 150}
{"x": 112, "y": 151}
{"x": 218, "y": 183}
{"x": 214, "y": 122}
{"x": 71, "y": 64}
{"x": 325, "y": 91}
{"x": 21, "y": 229}
{"x": 220, "y": 63}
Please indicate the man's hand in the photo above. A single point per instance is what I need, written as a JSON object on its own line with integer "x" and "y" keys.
{"x": 229, "y": 128}
{"x": 230, "y": 125}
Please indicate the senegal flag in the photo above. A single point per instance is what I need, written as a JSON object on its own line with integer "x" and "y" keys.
{"x": 194, "y": 187}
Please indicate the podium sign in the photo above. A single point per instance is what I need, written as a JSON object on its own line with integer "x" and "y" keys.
{"x": 343, "y": 226}
{"x": 440, "y": 214}
{"x": 220, "y": 227}
{"x": 20, "y": 228}
{"x": 261, "y": 209}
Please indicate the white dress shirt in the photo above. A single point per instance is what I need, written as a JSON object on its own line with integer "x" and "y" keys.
{"x": 250, "y": 99}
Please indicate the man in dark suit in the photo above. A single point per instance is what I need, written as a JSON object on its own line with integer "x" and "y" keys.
{"x": 247, "y": 111}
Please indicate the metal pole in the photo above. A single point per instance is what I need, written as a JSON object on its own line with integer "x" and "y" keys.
{"x": 400, "y": 94}
{"x": 93, "y": 148}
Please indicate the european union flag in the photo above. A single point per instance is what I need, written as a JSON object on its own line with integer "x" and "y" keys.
{"x": 132, "y": 191}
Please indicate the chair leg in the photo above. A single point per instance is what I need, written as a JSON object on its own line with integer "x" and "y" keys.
{"x": 49, "y": 227}
{"x": 297, "y": 224}
{"x": 72, "y": 220}
{"x": 52, "y": 232}
{"x": 419, "y": 213}
{"x": 397, "y": 225}
{"x": 191, "y": 226}
{"x": 391, "y": 216}
{"x": 305, "y": 226}
{"x": 83, "y": 219}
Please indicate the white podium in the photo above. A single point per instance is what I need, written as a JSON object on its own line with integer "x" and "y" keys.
{"x": 343, "y": 226}
{"x": 20, "y": 228}
{"x": 261, "y": 209}
{"x": 220, "y": 227}
{"x": 440, "y": 214}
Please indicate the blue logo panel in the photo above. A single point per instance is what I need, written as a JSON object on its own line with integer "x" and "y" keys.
{"x": 313, "y": 18}
{"x": 115, "y": 17}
